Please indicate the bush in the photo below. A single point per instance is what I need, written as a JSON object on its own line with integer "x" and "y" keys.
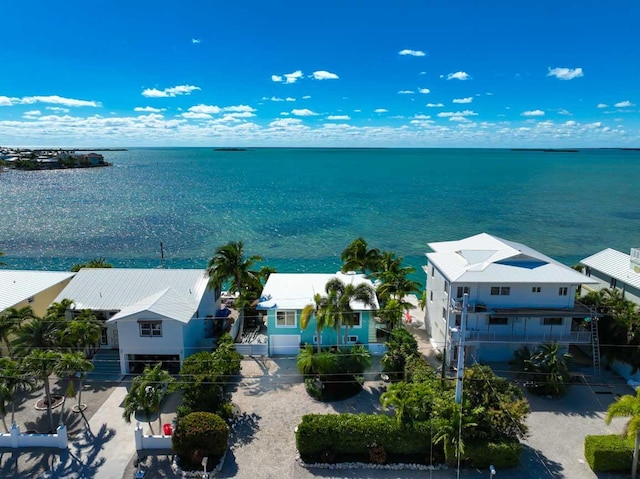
{"x": 354, "y": 434}
{"x": 608, "y": 453}
{"x": 501, "y": 455}
{"x": 401, "y": 347}
{"x": 198, "y": 435}
{"x": 417, "y": 369}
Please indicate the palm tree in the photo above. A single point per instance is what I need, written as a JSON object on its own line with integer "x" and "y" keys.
{"x": 628, "y": 406}
{"x": 146, "y": 394}
{"x": 12, "y": 378}
{"x": 81, "y": 332}
{"x": 69, "y": 365}
{"x": 10, "y": 321}
{"x": 402, "y": 398}
{"x": 451, "y": 430}
{"x": 358, "y": 257}
{"x": 94, "y": 263}
{"x": 230, "y": 264}
{"x": 41, "y": 364}
{"x": 39, "y": 333}
{"x": 392, "y": 312}
{"x": 550, "y": 369}
{"x": 342, "y": 296}
{"x": 322, "y": 312}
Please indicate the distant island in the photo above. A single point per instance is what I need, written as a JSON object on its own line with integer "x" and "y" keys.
{"x": 549, "y": 150}
{"x": 229, "y": 149}
{"x": 27, "y": 159}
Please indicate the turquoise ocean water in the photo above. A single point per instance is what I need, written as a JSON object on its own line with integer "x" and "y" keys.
{"x": 299, "y": 208}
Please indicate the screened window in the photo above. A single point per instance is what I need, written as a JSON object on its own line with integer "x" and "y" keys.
{"x": 536, "y": 289}
{"x": 552, "y": 321}
{"x": 431, "y": 296}
{"x": 462, "y": 291}
{"x": 498, "y": 321}
{"x": 563, "y": 291}
{"x": 444, "y": 313}
{"x": 286, "y": 319}
{"x": 505, "y": 291}
{"x": 495, "y": 290}
{"x": 151, "y": 329}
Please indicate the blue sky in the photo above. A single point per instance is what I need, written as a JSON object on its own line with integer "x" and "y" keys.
{"x": 320, "y": 73}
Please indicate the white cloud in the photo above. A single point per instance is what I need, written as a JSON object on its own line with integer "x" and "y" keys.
{"x": 602, "y": 105}
{"x": 565, "y": 73}
{"x": 570, "y": 123}
{"x": 33, "y": 113}
{"x": 195, "y": 41}
{"x": 463, "y": 100}
{"x": 338, "y": 117}
{"x": 290, "y": 99}
{"x": 406, "y": 92}
{"x": 423, "y": 73}
{"x": 285, "y": 123}
{"x": 208, "y": 109}
{"x": 421, "y": 117}
{"x": 303, "y": 112}
{"x": 357, "y": 111}
{"x": 306, "y": 97}
{"x": 239, "y": 108}
{"x": 6, "y": 101}
{"x": 57, "y": 108}
{"x": 623, "y": 104}
{"x": 424, "y": 91}
{"x": 456, "y": 114}
{"x": 458, "y": 76}
{"x": 275, "y": 98}
{"x": 413, "y": 53}
{"x": 196, "y": 115}
{"x": 240, "y": 114}
{"x": 533, "y": 113}
{"x": 170, "y": 92}
{"x": 435, "y": 105}
{"x": 149, "y": 109}
{"x": 380, "y": 110}
{"x": 59, "y": 100}
{"x": 287, "y": 78}
{"x": 324, "y": 75}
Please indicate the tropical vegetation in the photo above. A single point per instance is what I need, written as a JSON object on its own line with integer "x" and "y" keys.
{"x": 146, "y": 394}
{"x": 93, "y": 263}
{"x": 545, "y": 369}
{"x": 198, "y": 435}
{"x": 628, "y": 406}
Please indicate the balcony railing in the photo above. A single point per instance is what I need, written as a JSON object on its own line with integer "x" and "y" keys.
{"x": 573, "y": 337}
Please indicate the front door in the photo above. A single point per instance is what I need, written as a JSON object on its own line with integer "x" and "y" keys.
{"x": 114, "y": 338}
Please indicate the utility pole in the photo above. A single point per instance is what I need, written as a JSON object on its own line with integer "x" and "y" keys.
{"x": 461, "y": 334}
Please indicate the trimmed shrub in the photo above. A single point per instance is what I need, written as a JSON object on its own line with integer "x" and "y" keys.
{"x": 501, "y": 455}
{"x": 417, "y": 369}
{"x": 355, "y": 434}
{"x": 608, "y": 453}
{"x": 198, "y": 435}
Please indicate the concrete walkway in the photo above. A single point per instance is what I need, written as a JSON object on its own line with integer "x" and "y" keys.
{"x": 88, "y": 453}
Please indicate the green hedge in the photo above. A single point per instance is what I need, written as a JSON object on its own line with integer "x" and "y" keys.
{"x": 198, "y": 435}
{"x": 608, "y": 453}
{"x": 501, "y": 455}
{"x": 353, "y": 434}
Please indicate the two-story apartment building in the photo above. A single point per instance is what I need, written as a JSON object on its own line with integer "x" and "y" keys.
{"x": 613, "y": 269}
{"x": 516, "y": 297}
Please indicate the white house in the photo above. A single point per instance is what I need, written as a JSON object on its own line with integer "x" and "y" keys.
{"x": 613, "y": 269}
{"x": 31, "y": 288}
{"x": 149, "y": 315}
{"x": 516, "y": 297}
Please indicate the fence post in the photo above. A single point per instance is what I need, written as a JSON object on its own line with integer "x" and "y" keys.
{"x": 62, "y": 437}
{"x": 15, "y": 436}
{"x": 138, "y": 437}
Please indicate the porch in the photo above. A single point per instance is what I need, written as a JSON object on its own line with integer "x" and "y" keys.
{"x": 572, "y": 337}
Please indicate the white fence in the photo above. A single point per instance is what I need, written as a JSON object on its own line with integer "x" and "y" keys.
{"x": 249, "y": 349}
{"x": 15, "y": 439}
{"x": 151, "y": 442}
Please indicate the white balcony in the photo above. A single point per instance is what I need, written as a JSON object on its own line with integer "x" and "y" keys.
{"x": 573, "y": 337}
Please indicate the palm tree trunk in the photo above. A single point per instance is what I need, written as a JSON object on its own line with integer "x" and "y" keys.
{"x": 13, "y": 408}
{"x": 634, "y": 464}
{"x": 160, "y": 431}
{"x": 80, "y": 393}
{"x": 319, "y": 339}
{"x": 48, "y": 395}
{"x": 4, "y": 423}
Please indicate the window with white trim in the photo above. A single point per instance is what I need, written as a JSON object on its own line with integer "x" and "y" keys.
{"x": 286, "y": 319}
{"x": 431, "y": 296}
{"x": 444, "y": 313}
{"x": 563, "y": 291}
{"x": 462, "y": 290}
{"x": 493, "y": 321}
{"x": 356, "y": 321}
{"x": 446, "y": 287}
{"x": 500, "y": 290}
{"x": 351, "y": 339}
{"x": 150, "y": 329}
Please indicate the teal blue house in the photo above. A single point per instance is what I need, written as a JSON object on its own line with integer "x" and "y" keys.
{"x": 286, "y": 294}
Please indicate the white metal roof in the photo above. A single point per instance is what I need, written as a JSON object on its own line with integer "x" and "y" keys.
{"x": 296, "y": 290}
{"x": 17, "y": 286}
{"x": 484, "y": 258}
{"x": 166, "y": 303}
{"x": 113, "y": 289}
{"x": 615, "y": 264}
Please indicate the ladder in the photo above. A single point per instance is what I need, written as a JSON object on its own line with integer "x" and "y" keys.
{"x": 595, "y": 342}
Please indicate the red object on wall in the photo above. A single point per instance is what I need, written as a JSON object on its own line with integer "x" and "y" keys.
{"x": 167, "y": 429}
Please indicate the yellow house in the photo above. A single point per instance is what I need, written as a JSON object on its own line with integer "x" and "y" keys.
{"x": 37, "y": 289}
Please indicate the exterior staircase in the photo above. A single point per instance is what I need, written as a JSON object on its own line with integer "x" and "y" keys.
{"x": 106, "y": 366}
{"x": 595, "y": 342}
